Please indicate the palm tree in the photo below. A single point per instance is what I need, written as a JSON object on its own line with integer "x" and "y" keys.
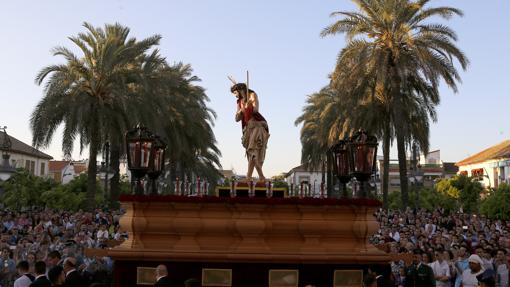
{"x": 317, "y": 134}
{"x": 394, "y": 41}
{"x": 187, "y": 128}
{"x": 95, "y": 96}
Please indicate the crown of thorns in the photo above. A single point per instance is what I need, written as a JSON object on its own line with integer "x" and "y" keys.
{"x": 238, "y": 87}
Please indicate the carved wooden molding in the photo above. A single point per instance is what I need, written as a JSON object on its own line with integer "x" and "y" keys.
{"x": 235, "y": 232}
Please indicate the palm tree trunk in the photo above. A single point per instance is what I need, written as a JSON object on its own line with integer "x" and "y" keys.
{"x": 386, "y": 167}
{"x": 329, "y": 178}
{"x": 402, "y": 167}
{"x": 114, "y": 182}
{"x": 396, "y": 92}
{"x": 92, "y": 171}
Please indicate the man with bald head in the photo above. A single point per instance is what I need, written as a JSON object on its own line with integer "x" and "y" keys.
{"x": 73, "y": 277}
{"x": 162, "y": 279}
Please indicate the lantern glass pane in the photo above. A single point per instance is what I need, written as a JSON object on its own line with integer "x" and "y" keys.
{"x": 134, "y": 148}
{"x": 369, "y": 159}
{"x": 158, "y": 153}
{"x": 360, "y": 158}
{"x": 342, "y": 163}
{"x": 145, "y": 153}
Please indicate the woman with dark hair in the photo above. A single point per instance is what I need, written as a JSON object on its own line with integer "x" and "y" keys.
{"x": 255, "y": 128}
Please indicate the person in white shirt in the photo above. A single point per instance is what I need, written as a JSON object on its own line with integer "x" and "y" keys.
{"x": 26, "y": 278}
{"x": 475, "y": 269}
{"x": 102, "y": 233}
{"x": 395, "y": 234}
{"x": 501, "y": 265}
{"x": 441, "y": 270}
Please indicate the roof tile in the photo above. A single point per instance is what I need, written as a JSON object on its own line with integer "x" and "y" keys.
{"x": 500, "y": 150}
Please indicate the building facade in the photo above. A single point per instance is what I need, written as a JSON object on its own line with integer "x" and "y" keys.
{"x": 491, "y": 166}
{"x": 28, "y": 157}
{"x": 430, "y": 169}
{"x": 311, "y": 179}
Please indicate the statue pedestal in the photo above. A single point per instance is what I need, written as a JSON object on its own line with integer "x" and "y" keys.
{"x": 250, "y": 236}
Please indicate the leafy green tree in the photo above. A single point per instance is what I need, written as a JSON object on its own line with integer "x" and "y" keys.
{"x": 446, "y": 187}
{"x": 464, "y": 189}
{"x": 497, "y": 204}
{"x": 23, "y": 190}
{"x": 429, "y": 199}
{"x": 396, "y": 46}
{"x": 470, "y": 191}
{"x": 72, "y": 196}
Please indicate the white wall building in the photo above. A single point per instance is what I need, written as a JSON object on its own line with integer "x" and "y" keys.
{"x": 433, "y": 157}
{"x": 491, "y": 166}
{"x": 27, "y": 157}
{"x": 299, "y": 175}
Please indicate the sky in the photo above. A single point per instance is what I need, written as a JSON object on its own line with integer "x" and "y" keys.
{"x": 278, "y": 42}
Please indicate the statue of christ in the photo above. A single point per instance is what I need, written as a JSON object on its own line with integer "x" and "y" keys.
{"x": 255, "y": 128}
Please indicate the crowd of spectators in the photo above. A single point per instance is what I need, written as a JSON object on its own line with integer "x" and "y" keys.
{"x": 55, "y": 237}
{"x": 457, "y": 246}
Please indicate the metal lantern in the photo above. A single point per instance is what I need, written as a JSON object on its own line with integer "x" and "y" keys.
{"x": 157, "y": 160}
{"x": 139, "y": 143}
{"x": 341, "y": 165}
{"x": 6, "y": 170}
{"x": 362, "y": 155}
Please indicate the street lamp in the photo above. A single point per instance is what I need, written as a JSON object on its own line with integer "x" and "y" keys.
{"x": 362, "y": 155}
{"x": 355, "y": 157}
{"x": 417, "y": 182}
{"x": 145, "y": 156}
{"x": 341, "y": 166}
{"x": 139, "y": 142}
{"x": 157, "y": 161}
{"x": 6, "y": 170}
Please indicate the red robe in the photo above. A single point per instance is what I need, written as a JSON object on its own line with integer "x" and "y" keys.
{"x": 249, "y": 114}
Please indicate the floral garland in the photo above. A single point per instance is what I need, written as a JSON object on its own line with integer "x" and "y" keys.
{"x": 252, "y": 200}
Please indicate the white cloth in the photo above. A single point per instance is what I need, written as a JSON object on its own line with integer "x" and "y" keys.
{"x": 469, "y": 279}
{"x": 476, "y": 259}
{"x": 441, "y": 269}
{"x": 432, "y": 227}
{"x": 23, "y": 281}
{"x": 395, "y": 236}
